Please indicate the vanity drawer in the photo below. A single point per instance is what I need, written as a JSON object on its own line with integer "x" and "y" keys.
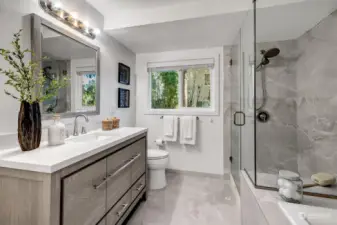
{"x": 119, "y": 175}
{"x": 139, "y": 165}
{"x": 103, "y": 222}
{"x": 119, "y": 209}
{"x": 84, "y": 195}
{"x": 138, "y": 187}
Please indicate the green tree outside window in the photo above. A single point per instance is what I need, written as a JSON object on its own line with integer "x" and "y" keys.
{"x": 165, "y": 89}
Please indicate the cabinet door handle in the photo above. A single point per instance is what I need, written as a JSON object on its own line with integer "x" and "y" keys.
{"x": 98, "y": 186}
{"x": 140, "y": 187}
{"x": 126, "y": 165}
{"x": 136, "y": 157}
{"x": 121, "y": 212}
{"x": 115, "y": 173}
{"x": 118, "y": 171}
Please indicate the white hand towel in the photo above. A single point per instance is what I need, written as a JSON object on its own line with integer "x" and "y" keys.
{"x": 188, "y": 130}
{"x": 170, "y": 128}
{"x": 168, "y": 125}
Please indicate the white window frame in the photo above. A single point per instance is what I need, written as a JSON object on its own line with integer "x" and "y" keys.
{"x": 79, "y": 98}
{"x": 214, "y": 84}
{"x": 78, "y": 67}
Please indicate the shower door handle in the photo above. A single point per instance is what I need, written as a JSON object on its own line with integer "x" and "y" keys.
{"x": 239, "y": 118}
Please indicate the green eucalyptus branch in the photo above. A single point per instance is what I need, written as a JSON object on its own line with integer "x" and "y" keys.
{"x": 27, "y": 78}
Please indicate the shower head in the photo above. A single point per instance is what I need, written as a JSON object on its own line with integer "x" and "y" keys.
{"x": 271, "y": 53}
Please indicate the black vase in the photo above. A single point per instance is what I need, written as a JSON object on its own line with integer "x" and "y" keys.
{"x": 29, "y": 126}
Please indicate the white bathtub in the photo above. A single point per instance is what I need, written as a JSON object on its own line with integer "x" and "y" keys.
{"x": 314, "y": 215}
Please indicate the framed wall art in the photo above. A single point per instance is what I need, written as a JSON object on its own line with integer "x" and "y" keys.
{"x": 123, "y": 74}
{"x": 123, "y": 98}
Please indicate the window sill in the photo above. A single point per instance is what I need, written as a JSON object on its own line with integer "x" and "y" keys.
{"x": 183, "y": 112}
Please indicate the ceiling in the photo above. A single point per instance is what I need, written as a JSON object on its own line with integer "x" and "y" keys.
{"x": 130, "y": 13}
{"x": 138, "y": 4}
{"x": 157, "y": 25}
{"x": 184, "y": 34}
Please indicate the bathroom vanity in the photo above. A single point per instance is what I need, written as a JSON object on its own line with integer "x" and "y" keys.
{"x": 94, "y": 179}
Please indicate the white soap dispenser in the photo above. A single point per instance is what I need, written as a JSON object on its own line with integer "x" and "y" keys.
{"x": 56, "y": 132}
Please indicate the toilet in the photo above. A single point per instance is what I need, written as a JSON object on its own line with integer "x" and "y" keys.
{"x": 157, "y": 162}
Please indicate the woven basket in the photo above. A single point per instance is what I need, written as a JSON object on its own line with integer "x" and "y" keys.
{"x": 115, "y": 123}
{"x": 107, "y": 125}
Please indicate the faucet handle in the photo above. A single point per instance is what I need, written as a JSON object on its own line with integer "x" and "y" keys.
{"x": 84, "y": 130}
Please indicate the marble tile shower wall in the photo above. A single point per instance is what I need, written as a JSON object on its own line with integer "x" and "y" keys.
{"x": 276, "y": 140}
{"x": 302, "y": 100}
{"x": 317, "y": 99}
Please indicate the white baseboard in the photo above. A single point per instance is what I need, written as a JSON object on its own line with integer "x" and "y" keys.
{"x": 234, "y": 187}
{"x": 225, "y": 176}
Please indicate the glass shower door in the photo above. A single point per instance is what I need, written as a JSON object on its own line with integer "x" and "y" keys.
{"x": 237, "y": 116}
{"x": 242, "y": 81}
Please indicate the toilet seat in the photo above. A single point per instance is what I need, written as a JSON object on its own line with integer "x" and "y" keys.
{"x": 155, "y": 154}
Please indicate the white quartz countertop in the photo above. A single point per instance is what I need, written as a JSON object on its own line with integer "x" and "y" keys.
{"x": 49, "y": 159}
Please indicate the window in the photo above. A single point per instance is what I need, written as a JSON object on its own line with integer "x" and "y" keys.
{"x": 88, "y": 89}
{"x": 196, "y": 88}
{"x": 182, "y": 87}
{"x": 164, "y": 93}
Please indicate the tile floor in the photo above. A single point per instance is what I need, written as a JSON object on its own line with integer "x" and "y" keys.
{"x": 190, "y": 200}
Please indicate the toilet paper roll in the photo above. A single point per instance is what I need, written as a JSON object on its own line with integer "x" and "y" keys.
{"x": 159, "y": 142}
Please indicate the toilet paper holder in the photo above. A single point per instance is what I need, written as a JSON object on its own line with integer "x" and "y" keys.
{"x": 159, "y": 142}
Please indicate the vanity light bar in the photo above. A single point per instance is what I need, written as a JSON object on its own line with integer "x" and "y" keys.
{"x": 71, "y": 19}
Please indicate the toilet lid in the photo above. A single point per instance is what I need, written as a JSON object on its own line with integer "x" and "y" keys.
{"x": 157, "y": 154}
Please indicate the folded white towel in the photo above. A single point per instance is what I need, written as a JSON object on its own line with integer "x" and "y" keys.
{"x": 188, "y": 130}
{"x": 170, "y": 128}
{"x": 168, "y": 125}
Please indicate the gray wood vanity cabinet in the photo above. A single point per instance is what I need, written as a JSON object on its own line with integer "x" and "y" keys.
{"x": 100, "y": 190}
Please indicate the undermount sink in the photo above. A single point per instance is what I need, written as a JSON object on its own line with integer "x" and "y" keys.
{"x": 96, "y": 136}
{"x": 88, "y": 138}
{"x": 108, "y": 133}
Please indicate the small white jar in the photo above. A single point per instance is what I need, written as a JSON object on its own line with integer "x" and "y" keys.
{"x": 56, "y": 132}
{"x": 290, "y": 186}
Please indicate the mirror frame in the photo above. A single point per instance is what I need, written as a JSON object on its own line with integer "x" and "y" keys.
{"x": 36, "y": 46}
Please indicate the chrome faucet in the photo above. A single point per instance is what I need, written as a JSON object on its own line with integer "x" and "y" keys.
{"x": 76, "y": 125}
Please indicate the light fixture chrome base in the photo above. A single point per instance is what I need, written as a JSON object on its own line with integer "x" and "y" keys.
{"x": 66, "y": 17}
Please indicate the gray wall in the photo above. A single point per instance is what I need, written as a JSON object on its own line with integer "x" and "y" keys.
{"x": 317, "y": 98}
{"x": 302, "y": 100}
{"x": 276, "y": 140}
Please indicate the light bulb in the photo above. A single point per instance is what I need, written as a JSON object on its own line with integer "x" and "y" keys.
{"x": 86, "y": 23}
{"x": 57, "y": 5}
{"x": 74, "y": 15}
{"x": 86, "y": 26}
{"x": 61, "y": 14}
{"x": 97, "y": 31}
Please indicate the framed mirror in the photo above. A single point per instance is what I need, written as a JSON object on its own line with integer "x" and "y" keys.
{"x": 66, "y": 54}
